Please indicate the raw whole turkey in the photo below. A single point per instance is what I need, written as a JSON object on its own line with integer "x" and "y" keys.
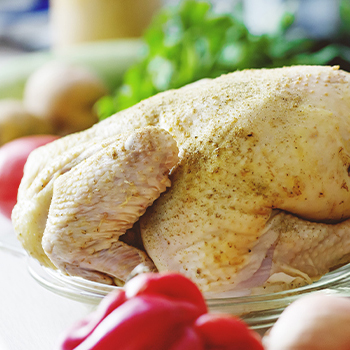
{"x": 240, "y": 182}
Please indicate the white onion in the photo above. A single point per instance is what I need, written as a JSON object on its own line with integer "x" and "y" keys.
{"x": 314, "y": 322}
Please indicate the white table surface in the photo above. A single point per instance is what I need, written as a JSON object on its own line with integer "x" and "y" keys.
{"x": 31, "y": 317}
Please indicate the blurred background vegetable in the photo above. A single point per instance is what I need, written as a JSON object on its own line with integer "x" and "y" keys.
{"x": 191, "y": 41}
{"x": 64, "y": 96}
{"x": 108, "y": 59}
{"x": 13, "y": 156}
{"x": 316, "y": 321}
{"x": 16, "y": 121}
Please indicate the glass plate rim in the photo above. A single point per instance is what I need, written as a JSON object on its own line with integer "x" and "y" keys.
{"x": 259, "y": 311}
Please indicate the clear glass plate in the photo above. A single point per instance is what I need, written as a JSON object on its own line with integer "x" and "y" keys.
{"x": 260, "y": 312}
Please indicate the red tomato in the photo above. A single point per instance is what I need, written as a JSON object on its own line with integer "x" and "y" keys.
{"x": 13, "y": 156}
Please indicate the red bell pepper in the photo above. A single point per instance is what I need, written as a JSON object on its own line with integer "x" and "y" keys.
{"x": 159, "y": 311}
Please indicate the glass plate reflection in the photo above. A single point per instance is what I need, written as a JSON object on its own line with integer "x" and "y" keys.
{"x": 259, "y": 311}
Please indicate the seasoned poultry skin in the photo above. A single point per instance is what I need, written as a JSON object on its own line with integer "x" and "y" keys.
{"x": 259, "y": 198}
{"x": 130, "y": 174}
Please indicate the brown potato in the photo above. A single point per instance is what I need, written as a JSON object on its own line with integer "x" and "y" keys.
{"x": 16, "y": 121}
{"x": 64, "y": 95}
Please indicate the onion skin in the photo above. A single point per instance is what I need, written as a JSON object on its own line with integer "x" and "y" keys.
{"x": 314, "y": 322}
